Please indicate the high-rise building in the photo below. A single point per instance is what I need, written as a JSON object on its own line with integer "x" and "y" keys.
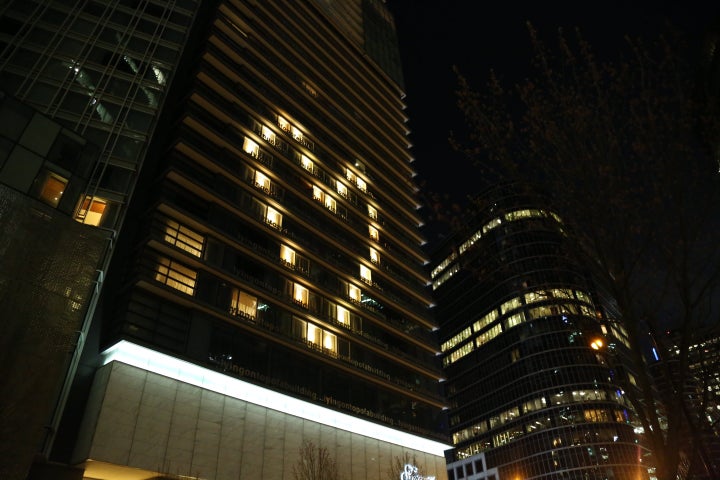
{"x": 532, "y": 393}
{"x": 81, "y": 87}
{"x": 268, "y": 285}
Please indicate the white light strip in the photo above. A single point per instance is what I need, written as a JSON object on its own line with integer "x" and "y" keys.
{"x": 153, "y": 361}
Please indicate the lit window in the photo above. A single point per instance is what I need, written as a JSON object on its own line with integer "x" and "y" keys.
{"x": 373, "y": 233}
{"x": 91, "y": 210}
{"x": 326, "y": 199}
{"x": 251, "y": 147}
{"x": 300, "y": 295}
{"x": 330, "y": 203}
{"x": 513, "y": 320}
{"x": 510, "y": 305}
{"x": 243, "y": 304}
{"x": 374, "y": 256}
{"x": 315, "y": 335}
{"x": 341, "y": 189}
{"x": 343, "y": 315}
{"x": 287, "y": 255}
{"x": 350, "y": 175}
{"x": 354, "y": 293}
{"x": 284, "y": 124}
{"x": 365, "y": 274}
{"x": 175, "y": 275}
{"x": 51, "y": 188}
{"x": 317, "y": 193}
{"x": 296, "y": 133}
{"x": 183, "y": 238}
{"x": 361, "y": 184}
{"x": 307, "y": 164}
{"x": 268, "y": 135}
{"x": 273, "y": 217}
{"x": 372, "y": 212}
{"x": 262, "y": 181}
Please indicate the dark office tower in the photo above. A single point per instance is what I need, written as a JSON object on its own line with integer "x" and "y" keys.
{"x": 81, "y": 85}
{"x": 275, "y": 291}
{"x": 529, "y": 396}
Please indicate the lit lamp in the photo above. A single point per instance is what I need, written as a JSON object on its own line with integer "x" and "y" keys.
{"x": 597, "y": 344}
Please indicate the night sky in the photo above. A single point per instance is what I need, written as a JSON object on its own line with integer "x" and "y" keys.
{"x": 434, "y": 36}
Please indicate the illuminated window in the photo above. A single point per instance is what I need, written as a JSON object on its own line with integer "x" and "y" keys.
{"x": 300, "y": 295}
{"x": 372, "y": 212}
{"x": 307, "y": 164}
{"x": 243, "y": 304}
{"x": 273, "y": 217}
{"x": 326, "y": 199}
{"x": 268, "y": 135}
{"x": 183, "y": 238}
{"x": 330, "y": 203}
{"x": 350, "y": 175}
{"x": 296, "y": 133}
{"x": 513, "y": 320}
{"x": 287, "y": 255}
{"x": 343, "y": 315}
{"x": 341, "y": 188}
{"x": 374, "y": 256}
{"x": 315, "y": 335}
{"x": 91, "y": 210}
{"x": 510, "y": 305}
{"x": 361, "y": 184}
{"x": 354, "y": 293}
{"x": 262, "y": 181}
{"x": 365, "y": 274}
{"x": 175, "y": 275}
{"x": 51, "y": 188}
{"x": 373, "y": 233}
{"x": 488, "y": 335}
{"x": 485, "y": 321}
{"x": 251, "y": 147}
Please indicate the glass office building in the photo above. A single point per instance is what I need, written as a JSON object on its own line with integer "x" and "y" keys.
{"x": 81, "y": 87}
{"x": 530, "y": 395}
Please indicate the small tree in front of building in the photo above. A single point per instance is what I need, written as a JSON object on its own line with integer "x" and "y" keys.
{"x": 315, "y": 463}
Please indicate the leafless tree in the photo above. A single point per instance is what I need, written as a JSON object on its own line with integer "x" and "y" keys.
{"x": 315, "y": 463}
{"x": 627, "y": 150}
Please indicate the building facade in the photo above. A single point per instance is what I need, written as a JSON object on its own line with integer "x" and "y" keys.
{"x": 530, "y": 395}
{"x": 81, "y": 87}
{"x": 268, "y": 287}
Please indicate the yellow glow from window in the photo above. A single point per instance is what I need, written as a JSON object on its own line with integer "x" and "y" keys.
{"x": 306, "y": 163}
{"x": 330, "y": 203}
{"x": 372, "y": 212}
{"x": 268, "y": 135}
{"x": 273, "y": 217}
{"x": 365, "y": 273}
{"x": 284, "y": 124}
{"x": 262, "y": 181}
{"x": 287, "y": 254}
{"x": 343, "y": 315}
{"x": 318, "y": 193}
{"x": 52, "y": 189}
{"x": 329, "y": 341}
{"x": 251, "y": 147}
{"x": 300, "y": 294}
{"x": 243, "y": 303}
{"x": 350, "y": 175}
{"x": 374, "y": 256}
{"x": 183, "y": 238}
{"x": 354, "y": 292}
{"x": 91, "y": 211}
{"x": 175, "y": 275}
{"x": 341, "y": 189}
{"x": 361, "y": 184}
{"x": 373, "y": 233}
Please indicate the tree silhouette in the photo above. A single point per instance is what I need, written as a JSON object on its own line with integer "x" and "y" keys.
{"x": 627, "y": 150}
{"x": 314, "y": 463}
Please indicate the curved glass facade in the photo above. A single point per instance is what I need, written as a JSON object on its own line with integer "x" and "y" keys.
{"x": 518, "y": 316}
